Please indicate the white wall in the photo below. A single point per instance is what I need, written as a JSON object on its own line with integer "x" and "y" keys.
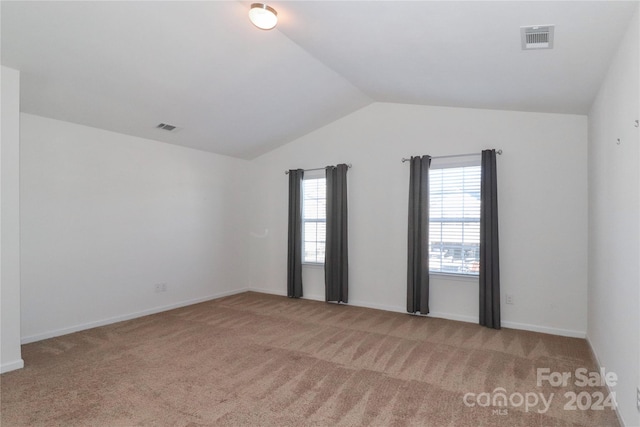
{"x": 107, "y": 216}
{"x": 614, "y": 232}
{"x": 10, "y": 355}
{"x": 542, "y": 201}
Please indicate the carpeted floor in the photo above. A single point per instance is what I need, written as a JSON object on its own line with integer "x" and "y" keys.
{"x": 261, "y": 360}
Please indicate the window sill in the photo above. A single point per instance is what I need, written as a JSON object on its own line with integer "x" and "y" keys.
{"x": 313, "y": 264}
{"x": 455, "y": 277}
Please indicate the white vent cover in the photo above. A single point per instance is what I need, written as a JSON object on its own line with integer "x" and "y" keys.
{"x": 167, "y": 127}
{"x": 537, "y": 37}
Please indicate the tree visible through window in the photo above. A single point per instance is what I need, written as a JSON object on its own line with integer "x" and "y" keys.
{"x": 454, "y": 220}
{"x": 314, "y": 223}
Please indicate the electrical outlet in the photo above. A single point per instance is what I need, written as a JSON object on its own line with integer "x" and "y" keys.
{"x": 160, "y": 287}
{"x": 638, "y": 397}
{"x": 164, "y": 287}
{"x": 509, "y": 299}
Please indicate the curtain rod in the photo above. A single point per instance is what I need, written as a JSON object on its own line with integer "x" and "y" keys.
{"x": 317, "y": 169}
{"x": 454, "y": 155}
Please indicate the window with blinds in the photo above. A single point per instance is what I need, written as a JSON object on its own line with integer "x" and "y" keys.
{"x": 454, "y": 220}
{"x": 314, "y": 223}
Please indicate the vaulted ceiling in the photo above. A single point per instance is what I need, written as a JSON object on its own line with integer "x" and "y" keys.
{"x": 236, "y": 90}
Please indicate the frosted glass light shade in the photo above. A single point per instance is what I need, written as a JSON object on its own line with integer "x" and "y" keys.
{"x": 263, "y": 16}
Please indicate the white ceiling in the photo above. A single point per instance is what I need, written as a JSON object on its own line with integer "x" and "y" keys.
{"x": 240, "y": 91}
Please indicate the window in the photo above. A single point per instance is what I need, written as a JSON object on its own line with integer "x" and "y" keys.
{"x": 314, "y": 223}
{"x": 454, "y": 218}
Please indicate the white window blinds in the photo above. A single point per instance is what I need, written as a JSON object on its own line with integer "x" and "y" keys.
{"x": 314, "y": 224}
{"x": 454, "y": 219}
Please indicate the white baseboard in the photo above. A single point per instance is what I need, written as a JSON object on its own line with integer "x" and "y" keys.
{"x": 321, "y": 298}
{"x": 453, "y": 316}
{"x": 515, "y": 325}
{"x": 600, "y": 365}
{"x": 267, "y": 291}
{"x": 440, "y": 315}
{"x": 379, "y": 306}
{"x": 103, "y": 322}
{"x": 450, "y": 316}
{"x": 11, "y": 366}
{"x": 545, "y": 329}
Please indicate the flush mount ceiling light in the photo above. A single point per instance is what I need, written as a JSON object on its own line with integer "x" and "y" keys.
{"x": 263, "y": 16}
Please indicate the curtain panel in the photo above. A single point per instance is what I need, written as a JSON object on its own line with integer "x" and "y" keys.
{"x": 489, "y": 254}
{"x": 294, "y": 255}
{"x": 336, "y": 263}
{"x": 418, "y": 236}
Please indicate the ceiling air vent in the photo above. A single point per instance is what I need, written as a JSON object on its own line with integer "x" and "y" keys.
{"x": 167, "y": 127}
{"x": 537, "y": 37}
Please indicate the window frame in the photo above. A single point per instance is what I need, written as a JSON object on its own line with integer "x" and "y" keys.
{"x": 311, "y": 175}
{"x": 448, "y": 163}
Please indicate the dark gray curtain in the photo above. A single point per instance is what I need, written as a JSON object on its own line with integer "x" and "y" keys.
{"x": 294, "y": 256}
{"x": 418, "y": 247}
{"x": 336, "y": 261}
{"x": 489, "y": 256}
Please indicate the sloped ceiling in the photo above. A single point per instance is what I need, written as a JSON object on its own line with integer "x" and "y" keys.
{"x": 236, "y": 90}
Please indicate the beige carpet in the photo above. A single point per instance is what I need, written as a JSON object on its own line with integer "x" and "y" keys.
{"x": 263, "y": 360}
